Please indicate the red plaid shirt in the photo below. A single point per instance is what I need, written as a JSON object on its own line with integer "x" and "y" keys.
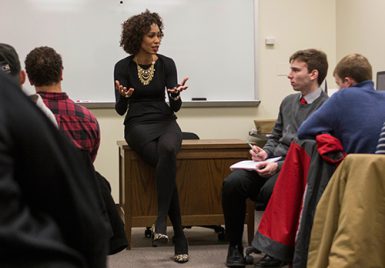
{"x": 77, "y": 122}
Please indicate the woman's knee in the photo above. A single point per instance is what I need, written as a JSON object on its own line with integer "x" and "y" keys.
{"x": 167, "y": 149}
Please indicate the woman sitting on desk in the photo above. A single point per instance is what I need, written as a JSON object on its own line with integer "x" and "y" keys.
{"x": 151, "y": 130}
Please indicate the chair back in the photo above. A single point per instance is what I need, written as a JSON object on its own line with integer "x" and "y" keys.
{"x": 189, "y": 136}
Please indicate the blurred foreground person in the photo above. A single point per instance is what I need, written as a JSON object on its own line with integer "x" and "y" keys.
{"x": 50, "y": 214}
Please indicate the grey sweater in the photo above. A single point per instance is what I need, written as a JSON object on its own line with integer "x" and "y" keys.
{"x": 291, "y": 115}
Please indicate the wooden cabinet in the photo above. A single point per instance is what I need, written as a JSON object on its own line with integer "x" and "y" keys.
{"x": 201, "y": 167}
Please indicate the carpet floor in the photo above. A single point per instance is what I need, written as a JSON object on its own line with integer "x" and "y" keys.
{"x": 205, "y": 250}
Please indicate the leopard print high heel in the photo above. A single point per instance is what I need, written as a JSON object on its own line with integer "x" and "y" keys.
{"x": 181, "y": 249}
{"x": 158, "y": 238}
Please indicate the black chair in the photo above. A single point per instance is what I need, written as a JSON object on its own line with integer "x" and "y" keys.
{"x": 189, "y": 136}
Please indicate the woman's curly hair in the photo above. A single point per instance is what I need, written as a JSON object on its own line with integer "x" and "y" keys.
{"x": 135, "y": 27}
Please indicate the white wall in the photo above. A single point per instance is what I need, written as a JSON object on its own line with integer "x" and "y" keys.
{"x": 295, "y": 24}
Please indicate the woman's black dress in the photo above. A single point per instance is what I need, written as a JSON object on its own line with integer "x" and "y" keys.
{"x": 148, "y": 115}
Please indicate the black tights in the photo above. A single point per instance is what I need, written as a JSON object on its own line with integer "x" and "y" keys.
{"x": 161, "y": 154}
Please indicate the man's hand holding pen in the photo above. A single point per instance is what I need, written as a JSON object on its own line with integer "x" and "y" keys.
{"x": 257, "y": 153}
{"x": 264, "y": 168}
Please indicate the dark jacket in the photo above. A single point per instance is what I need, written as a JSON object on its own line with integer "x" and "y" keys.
{"x": 50, "y": 213}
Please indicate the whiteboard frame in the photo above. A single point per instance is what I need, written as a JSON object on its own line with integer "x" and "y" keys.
{"x": 23, "y": 41}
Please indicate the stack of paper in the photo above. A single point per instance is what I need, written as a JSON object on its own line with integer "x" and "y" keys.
{"x": 250, "y": 164}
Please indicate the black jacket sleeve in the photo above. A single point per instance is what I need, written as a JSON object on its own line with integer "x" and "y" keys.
{"x": 121, "y": 103}
{"x": 171, "y": 82}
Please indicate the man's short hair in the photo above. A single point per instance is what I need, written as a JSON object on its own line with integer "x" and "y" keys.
{"x": 354, "y": 66}
{"x": 315, "y": 60}
{"x": 9, "y": 60}
{"x": 44, "y": 66}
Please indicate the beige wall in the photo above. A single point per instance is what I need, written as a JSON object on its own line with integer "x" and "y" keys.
{"x": 295, "y": 24}
{"x": 360, "y": 28}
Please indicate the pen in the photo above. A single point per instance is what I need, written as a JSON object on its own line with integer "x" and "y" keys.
{"x": 256, "y": 149}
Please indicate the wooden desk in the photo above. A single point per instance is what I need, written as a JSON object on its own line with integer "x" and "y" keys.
{"x": 201, "y": 167}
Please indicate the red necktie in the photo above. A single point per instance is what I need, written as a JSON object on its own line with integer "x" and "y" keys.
{"x": 302, "y": 101}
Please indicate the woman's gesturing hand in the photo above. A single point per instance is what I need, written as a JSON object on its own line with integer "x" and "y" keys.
{"x": 123, "y": 91}
{"x": 179, "y": 88}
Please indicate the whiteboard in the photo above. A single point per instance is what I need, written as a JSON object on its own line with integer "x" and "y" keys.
{"x": 211, "y": 41}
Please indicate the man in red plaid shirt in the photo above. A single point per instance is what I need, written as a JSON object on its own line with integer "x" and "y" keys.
{"x": 44, "y": 68}
{"x": 45, "y": 71}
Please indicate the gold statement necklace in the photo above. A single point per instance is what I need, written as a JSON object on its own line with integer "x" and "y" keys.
{"x": 145, "y": 75}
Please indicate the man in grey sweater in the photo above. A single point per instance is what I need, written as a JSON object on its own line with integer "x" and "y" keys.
{"x": 308, "y": 68}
